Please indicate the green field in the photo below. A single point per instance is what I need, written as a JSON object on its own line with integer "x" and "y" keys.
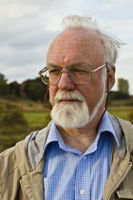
{"x": 36, "y": 119}
{"x": 40, "y": 118}
{"x": 22, "y": 116}
{"x": 122, "y": 112}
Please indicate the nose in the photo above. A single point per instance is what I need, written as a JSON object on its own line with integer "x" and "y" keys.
{"x": 65, "y": 83}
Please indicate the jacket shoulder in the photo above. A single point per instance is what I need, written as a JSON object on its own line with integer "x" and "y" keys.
{"x": 126, "y": 126}
{"x": 127, "y": 129}
{"x": 9, "y": 173}
{"x": 7, "y": 158}
{"x": 7, "y": 166}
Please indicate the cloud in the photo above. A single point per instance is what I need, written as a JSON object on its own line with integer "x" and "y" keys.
{"x": 27, "y": 28}
{"x": 115, "y": 4}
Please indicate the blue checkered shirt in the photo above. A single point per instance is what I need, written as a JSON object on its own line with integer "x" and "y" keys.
{"x": 72, "y": 175}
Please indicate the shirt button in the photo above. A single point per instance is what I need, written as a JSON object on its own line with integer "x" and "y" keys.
{"x": 84, "y": 157}
{"x": 82, "y": 191}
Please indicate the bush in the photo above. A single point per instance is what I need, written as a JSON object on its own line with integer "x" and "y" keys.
{"x": 11, "y": 115}
{"x": 13, "y": 118}
{"x": 13, "y": 126}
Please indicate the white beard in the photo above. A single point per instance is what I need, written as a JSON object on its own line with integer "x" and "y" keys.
{"x": 72, "y": 115}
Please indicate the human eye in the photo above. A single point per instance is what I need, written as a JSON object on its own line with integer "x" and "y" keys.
{"x": 79, "y": 71}
{"x": 53, "y": 71}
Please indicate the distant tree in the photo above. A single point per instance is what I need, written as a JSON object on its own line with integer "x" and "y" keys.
{"x": 34, "y": 89}
{"x": 123, "y": 86}
{"x": 4, "y": 88}
{"x": 15, "y": 88}
{"x": 2, "y": 78}
{"x": 116, "y": 95}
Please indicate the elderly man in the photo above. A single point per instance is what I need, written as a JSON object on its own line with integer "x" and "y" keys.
{"x": 84, "y": 153}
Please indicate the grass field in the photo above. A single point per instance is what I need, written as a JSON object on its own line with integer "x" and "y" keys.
{"x": 41, "y": 118}
{"x": 37, "y": 119}
{"x": 35, "y": 116}
{"x": 122, "y": 112}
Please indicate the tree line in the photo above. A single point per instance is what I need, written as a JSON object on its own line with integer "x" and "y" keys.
{"x": 32, "y": 89}
{"x": 35, "y": 90}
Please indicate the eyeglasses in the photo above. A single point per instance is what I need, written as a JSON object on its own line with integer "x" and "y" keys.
{"x": 79, "y": 74}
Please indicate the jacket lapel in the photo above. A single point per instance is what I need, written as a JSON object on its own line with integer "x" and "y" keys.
{"x": 31, "y": 179}
{"x": 121, "y": 167}
{"x": 32, "y": 184}
{"x": 119, "y": 170}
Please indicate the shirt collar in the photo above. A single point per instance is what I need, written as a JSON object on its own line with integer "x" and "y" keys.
{"x": 105, "y": 126}
{"x": 52, "y": 136}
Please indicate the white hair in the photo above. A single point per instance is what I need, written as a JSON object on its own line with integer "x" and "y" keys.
{"x": 111, "y": 42}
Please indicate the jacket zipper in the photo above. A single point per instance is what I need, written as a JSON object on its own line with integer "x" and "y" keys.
{"x": 121, "y": 179}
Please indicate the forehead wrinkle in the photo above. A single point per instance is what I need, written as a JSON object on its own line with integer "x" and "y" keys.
{"x": 70, "y": 40}
{"x": 81, "y": 35}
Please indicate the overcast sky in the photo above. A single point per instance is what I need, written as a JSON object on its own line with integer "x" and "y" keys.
{"x": 28, "y": 26}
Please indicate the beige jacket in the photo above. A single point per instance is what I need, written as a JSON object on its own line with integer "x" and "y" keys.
{"x": 21, "y": 175}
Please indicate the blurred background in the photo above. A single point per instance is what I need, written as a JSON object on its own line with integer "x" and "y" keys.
{"x": 26, "y": 30}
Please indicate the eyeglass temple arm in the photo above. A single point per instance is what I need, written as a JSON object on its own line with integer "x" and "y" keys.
{"x": 107, "y": 67}
{"x": 42, "y": 70}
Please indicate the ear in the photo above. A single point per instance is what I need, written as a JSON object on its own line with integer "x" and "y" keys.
{"x": 111, "y": 77}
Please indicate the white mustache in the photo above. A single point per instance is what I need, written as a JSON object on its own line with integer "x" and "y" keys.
{"x": 69, "y": 95}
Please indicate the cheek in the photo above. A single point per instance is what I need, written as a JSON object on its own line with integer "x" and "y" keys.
{"x": 93, "y": 93}
{"x": 88, "y": 93}
{"x": 52, "y": 93}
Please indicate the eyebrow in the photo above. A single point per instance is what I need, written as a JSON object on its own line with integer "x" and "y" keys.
{"x": 74, "y": 64}
{"x": 52, "y": 65}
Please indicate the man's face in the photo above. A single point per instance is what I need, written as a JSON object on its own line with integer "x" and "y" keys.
{"x": 79, "y": 46}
